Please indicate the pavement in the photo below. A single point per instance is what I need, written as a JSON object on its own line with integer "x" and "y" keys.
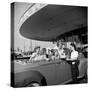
{"x": 82, "y": 80}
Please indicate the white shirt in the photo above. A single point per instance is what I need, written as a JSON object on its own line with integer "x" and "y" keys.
{"x": 56, "y": 47}
{"x": 33, "y": 56}
{"x": 47, "y": 49}
{"x": 62, "y": 54}
{"x": 68, "y": 45}
{"x": 74, "y": 55}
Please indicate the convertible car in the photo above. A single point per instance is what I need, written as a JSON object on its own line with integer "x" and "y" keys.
{"x": 42, "y": 73}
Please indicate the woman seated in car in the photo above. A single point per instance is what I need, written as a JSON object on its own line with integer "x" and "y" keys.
{"x": 62, "y": 52}
{"x": 43, "y": 55}
{"x": 36, "y": 53}
{"x": 56, "y": 54}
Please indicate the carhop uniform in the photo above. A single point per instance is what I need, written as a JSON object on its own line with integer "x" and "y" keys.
{"x": 74, "y": 62}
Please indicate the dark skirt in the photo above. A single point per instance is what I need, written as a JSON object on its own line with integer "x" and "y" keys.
{"x": 74, "y": 69}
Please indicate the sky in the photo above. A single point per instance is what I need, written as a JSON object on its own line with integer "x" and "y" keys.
{"x": 20, "y": 41}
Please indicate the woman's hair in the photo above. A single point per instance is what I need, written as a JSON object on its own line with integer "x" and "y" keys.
{"x": 37, "y": 47}
{"x": 52, "y": 51}
{"x": 43, "y": 50}
{"x": 57, "y": 43}
{"x": 72, "y": 44}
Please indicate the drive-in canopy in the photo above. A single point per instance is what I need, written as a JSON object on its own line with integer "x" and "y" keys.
{"x": 52, "y": 21}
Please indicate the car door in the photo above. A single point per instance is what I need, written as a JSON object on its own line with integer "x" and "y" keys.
{"x": 45, "y": 68}
{"x": 48, "y": 70}
{"x": 63, "y": 72}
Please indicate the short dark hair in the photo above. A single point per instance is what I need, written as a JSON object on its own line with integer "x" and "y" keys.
{"x": 72, "y": 44}
{"x": 57, "y": 43}
{"x": 36, "y": 48}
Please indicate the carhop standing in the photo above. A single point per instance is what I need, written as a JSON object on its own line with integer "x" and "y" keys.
{"x": 74, "y": 62}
